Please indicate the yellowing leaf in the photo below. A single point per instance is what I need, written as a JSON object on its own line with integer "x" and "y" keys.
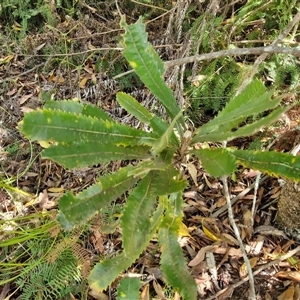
{"x": 44, "y": 144}
{"x": 6, "y": 59}
{"x": 83, "y": 82}
{"x": 56, "y": 190}
{"x": 288, "y": 294}
{"x": 243, "y": 268}
{"x": 213, "y": 236}
{"x": 183, "y": 230}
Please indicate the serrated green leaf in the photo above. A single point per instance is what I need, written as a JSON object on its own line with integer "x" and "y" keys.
{"x": 86, "y": 153}
{"x": 128, "y": 289}
{"x": 132, "y": 106}
{"x": 143, "y": 115}
{"x": 162, "y": 162}
{"x": 164, "y": 182}
{"x": 78, "y": 108}
{"x": 270, "y": 162}
{"x": 173, "y": 263}
{"x": 76, "y": 209}
{"x": 253, "y": 100}
{"x": 163, "y": 142}
{"x": 64, "y": 105}
{"x": 135, "y": 219}
{"x": 104, "y": 273}
{"x": 252, "y": 91}
{"x": 60, "y": 126}
{"x": 230, "y": 121}
{"x": 217, "y": 162}
{"x": 147, "y": 64}
{"x": 96, "y": 112}
{"x": 245, "y": 130}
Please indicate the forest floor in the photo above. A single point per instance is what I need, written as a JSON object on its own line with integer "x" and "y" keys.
{"x": 79, "y": 58}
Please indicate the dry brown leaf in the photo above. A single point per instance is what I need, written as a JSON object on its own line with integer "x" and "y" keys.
{"x": 90, "y": 46}
{"x": 229, "y": 239}
{"x": 83, "y": 82}
{"x": 145, "y": 292}
{"x": 25, "y": 98}
{"x": 39, "y": 47}
{"x": 231, "y": 251}
{"x": 94, "y": 79}
{"x": 248, "y": 223}
{"x": 97, "y": 295}
{"x": 297, "y": 292}
{"x": 193, "y": 172}
{"x": 267, "y": 296}
{"x": 251, "y": 173}
{"x": 288, "y": 294}
{"x": 159, "y": 291}
{"x": 98, "y": 241}
{"x": 11, "y": 92}
{"x": 227, "y": 294}
{"x": 221, "y": 202}
{"x": 44, "y": 202}
{"x": 26, "y": 109}
{"x": 200, "y": 256}
{"x": 243, "y": 269}
{"x": 290, "y": 275}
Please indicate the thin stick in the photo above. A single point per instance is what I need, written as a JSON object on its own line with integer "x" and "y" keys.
{"x": 238, "y": 197}
{"x": 261, "y": 268}
{"x": 224, "y": 53}
{"x": 256, "y": 185}
{"x": 233, "y": 52}
{"x": 22, "y": 74}
{"x": 238, "y": 237}
{"x": 263, "y": 56}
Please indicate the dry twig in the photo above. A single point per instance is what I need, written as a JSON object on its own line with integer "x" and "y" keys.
{"x": 238, "y": 237}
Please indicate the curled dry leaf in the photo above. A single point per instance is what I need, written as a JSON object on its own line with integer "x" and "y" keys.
{"x": 201, "y": 255}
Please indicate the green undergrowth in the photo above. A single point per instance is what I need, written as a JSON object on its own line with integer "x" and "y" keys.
{"x": 40, "y": 261}
{"x": 255, "y": 23}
